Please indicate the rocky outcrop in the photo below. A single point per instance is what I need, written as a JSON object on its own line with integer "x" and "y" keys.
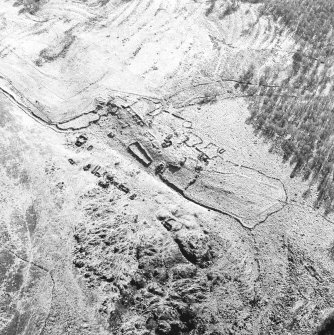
{"x": 151, "y": 274}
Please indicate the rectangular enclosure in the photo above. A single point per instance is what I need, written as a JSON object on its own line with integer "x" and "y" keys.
{"x": 139, "y": 152}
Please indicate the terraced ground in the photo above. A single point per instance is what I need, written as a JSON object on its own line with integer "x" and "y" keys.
{"x": 130, "y": 55}
{"x": 135, "y": 199}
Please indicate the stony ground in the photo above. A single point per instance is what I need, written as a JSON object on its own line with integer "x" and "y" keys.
{"x": 135, "y": 199}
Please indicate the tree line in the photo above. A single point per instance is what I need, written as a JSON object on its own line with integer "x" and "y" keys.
{"x": 298, "y": 114}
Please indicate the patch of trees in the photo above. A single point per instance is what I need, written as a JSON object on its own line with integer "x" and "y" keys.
{"x": 230, "y": 8}
{"x": 30, "y": 6}
{"x": 312, "y": 21}
{"x": 298, "y": 114}
{"x": 301, "y": 125}
{"x": 327, "y": 327}
{"x": 211, "y": 7}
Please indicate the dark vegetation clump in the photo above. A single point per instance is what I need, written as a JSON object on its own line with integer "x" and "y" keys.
{"x": 212, "y": 4}
{"x": 208, "y": 99}
{"x": 297, "y": 113}
{"x": 310, "y": 20}
{"x": 29, "y": 6}
{"x": 327, "y": 327}
{"x": 331, "y": 251}
{"x": 231, "y": 8}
